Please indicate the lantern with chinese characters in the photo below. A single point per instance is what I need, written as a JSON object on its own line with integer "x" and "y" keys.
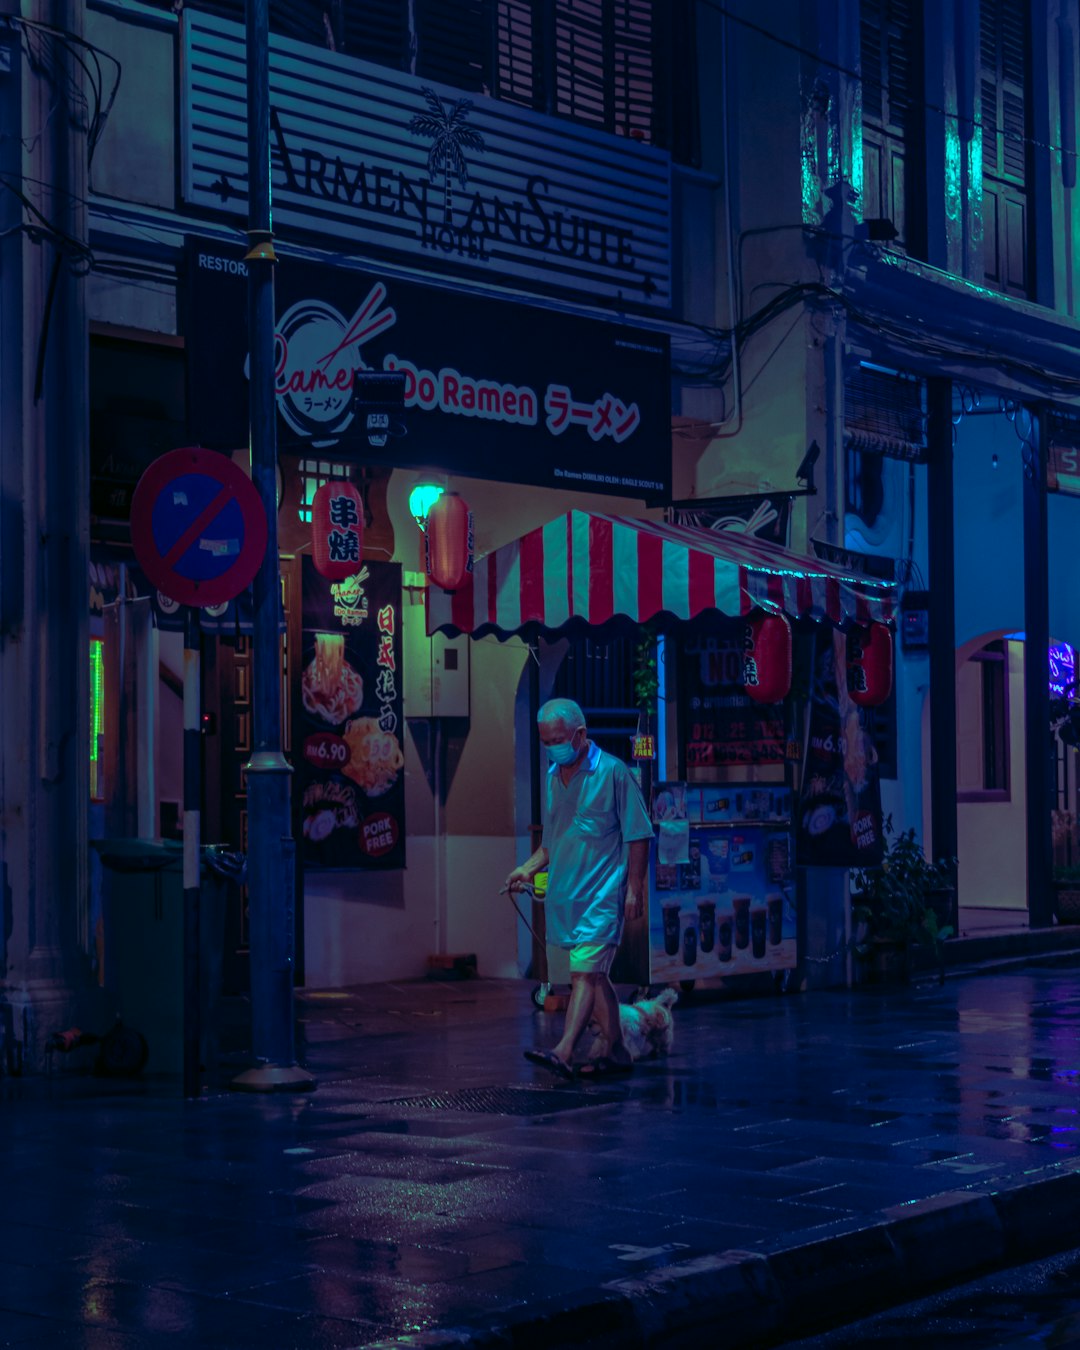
{"x": 337, "y": 530}
{"x": 869, "y": 665}
{"x": 449, "y": 541}
{"x": 767, "y": 658}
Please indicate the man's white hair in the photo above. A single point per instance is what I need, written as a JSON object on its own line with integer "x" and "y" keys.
{"x": 563, "y": 710}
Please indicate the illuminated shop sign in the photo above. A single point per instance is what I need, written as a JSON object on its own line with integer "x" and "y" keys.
{"x": 350, "y": 721}
{"x": 492, "y": 388}
{"x": 399, "y": 164}
{"x": 1062, "y": 669}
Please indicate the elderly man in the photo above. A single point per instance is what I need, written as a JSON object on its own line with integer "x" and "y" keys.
{"x": 595, "y": 848}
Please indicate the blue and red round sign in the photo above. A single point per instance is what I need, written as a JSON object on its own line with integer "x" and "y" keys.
{"x": 198, "y": 527}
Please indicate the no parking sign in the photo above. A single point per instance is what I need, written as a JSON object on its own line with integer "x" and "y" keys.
{"x": 198, "y": 527}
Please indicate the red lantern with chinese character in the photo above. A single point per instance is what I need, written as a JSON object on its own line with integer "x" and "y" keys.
{"x": 449, "y": 541}
{"x": 870, "y": 665}
{"x": 767, "y": 658}
{"x": 337, "y": 530}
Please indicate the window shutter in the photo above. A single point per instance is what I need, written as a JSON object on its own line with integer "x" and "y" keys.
{"x": 873, "y": 89}
{"x": 635, "y": 42}
{"x": 1003, "y": 46}
{"x": 1014, "y": 144}
{"x": 378, "y": 30}
{"x": 579, "y": 61}
{"x": 519, "y": 53}
{"x": 883, "y": 414}
{"x": 451, "y": 43}
{"x": 889, "y": 38}
{"x": 900, "y": 75}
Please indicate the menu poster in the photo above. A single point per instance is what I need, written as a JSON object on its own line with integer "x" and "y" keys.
{"x": 839, "y": 817}
{"x": 724, "y": 725}
{"x": 349, "y": 728}
{"x": 728, "y": 910}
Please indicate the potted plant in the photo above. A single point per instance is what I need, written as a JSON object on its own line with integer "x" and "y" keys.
{"x": 907, "y": 901}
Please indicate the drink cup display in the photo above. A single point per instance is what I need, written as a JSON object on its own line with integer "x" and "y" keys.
{"x": 671, "y": 927}
{"x": 707, "y": 924}
{"x": 774, "y": 909}
{"x": 740, "y": 905}
{"x": 724, "y": 925}
{"x": 689, "y": 945}
{"x": 758, "y": 924}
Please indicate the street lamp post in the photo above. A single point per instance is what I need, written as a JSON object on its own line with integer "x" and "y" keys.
{"x": 271, "y": 848}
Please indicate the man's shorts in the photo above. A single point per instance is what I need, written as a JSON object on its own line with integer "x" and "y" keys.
{"x": 588, "y": 958}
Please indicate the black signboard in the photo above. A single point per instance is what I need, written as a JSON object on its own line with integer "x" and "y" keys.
{"x": 722, "y": 725}
{"x": 838, "y": 823}
{"x": 492, "y": 389}
{"x": 349, "y": 750}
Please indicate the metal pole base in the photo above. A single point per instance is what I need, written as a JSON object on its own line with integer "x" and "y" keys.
{"x": 274, "y": 1078}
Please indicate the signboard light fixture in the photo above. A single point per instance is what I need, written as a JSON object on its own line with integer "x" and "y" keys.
{"x": 422, "y": 498}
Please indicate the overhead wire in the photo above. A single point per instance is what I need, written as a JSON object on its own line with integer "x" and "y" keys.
{"x": 851, "y": 73}
{"x": 97, "y": 111}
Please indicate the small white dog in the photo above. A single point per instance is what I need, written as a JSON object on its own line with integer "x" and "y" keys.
{"x": 648, "y": 1028}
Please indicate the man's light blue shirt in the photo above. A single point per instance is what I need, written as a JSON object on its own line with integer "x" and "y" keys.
{"x": 587, "y": 827}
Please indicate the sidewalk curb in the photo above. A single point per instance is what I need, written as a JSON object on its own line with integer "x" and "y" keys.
{"x": 761, "y": 1298}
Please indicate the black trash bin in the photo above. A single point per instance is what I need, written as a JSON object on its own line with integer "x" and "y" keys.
{"x": 144, "y": 941}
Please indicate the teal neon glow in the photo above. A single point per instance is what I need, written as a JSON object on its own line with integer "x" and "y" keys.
{"x": 422, "y": 498}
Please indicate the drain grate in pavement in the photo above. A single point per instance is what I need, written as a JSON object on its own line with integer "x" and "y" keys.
{"x": 500, "y": 1101}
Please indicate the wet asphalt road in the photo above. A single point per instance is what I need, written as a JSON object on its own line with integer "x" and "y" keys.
{"x": 1032, "y": 1305}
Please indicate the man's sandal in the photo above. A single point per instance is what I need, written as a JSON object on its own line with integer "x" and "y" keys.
{"x": 547, "y": 1059}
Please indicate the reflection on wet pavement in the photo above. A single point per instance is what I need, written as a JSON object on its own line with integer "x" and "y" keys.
{"x": 433, "y": 1178}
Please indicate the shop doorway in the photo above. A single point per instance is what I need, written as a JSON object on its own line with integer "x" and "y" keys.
{"x": 599, "y": 676}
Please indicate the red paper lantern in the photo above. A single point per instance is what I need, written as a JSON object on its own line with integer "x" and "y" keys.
{"x": 870, "y": 665}
{"x": 449, "y": 541}
{"x": 767, "y": 658}
{"x": 337, "y": 530}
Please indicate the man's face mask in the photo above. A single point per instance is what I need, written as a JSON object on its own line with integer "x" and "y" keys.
{"x": 563, "y": 753}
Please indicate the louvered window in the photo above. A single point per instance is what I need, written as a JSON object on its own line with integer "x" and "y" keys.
{"x": 451, "y": 43}
{"x": 606, "y": 63}
{"x": 884, "y": 413}
{"x": 890, "y": 35}
{"x": 376, "y": 30}
{"x": 1004, "y": 52}
{"x": 519, "y": 65}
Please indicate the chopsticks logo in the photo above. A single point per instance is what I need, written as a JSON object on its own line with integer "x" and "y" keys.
{"x": 317, "y": 358}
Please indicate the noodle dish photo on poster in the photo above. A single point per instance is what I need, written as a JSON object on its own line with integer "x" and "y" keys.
{"x": 349, "y": 727}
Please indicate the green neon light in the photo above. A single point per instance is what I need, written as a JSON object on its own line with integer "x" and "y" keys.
{"x": 97, "y": 694}
{"x": 97, "y": 714}
{"x": 422, "y": 498}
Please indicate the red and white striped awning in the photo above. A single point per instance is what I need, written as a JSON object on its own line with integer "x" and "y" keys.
{"x": 596, "y": 567}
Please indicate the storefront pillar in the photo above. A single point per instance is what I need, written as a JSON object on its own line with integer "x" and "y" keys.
{"x": 44, "y": 554}
{"x": 1038, "y": 743}
{"x": 942, "y": 566}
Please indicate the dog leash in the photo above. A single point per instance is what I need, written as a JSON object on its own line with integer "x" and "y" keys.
{"x": 507, "y": 891}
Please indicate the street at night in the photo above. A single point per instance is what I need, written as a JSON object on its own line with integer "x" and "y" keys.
{"x": 539, "y": 715}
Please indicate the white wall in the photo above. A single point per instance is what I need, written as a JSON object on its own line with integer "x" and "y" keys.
{"x": 992, "y": 835}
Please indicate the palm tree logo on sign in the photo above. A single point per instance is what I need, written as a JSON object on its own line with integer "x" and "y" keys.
{"x": 445, "y": 125}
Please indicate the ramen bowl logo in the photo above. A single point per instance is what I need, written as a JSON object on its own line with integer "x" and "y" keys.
{"x": 317, "y": 356}
{"x": 350, "y": 599}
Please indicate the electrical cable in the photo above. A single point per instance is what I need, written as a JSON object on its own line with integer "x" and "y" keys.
{"x": 855, "y": 75}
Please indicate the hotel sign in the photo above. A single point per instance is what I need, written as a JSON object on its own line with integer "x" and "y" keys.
{"x": 409, "y": 167}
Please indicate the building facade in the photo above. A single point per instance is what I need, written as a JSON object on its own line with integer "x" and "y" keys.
{"x": 631, "y": 258}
